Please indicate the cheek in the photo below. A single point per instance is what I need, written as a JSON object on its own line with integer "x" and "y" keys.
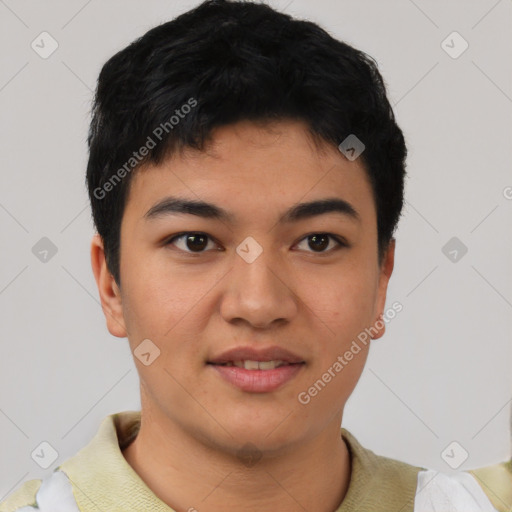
{"x": 345, "y": 307}
{"x": 156, "y": 299}
{"x": 170, "y": 311}
{"x": 343, "y": 304}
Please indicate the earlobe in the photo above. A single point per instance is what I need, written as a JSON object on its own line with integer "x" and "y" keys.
{"x": 379, "y": 327}
{"x": 385, "y": 274}
{"x": 109, "y": 292}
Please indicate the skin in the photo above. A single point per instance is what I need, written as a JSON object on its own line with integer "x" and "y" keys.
{"x": 195, "y": 305}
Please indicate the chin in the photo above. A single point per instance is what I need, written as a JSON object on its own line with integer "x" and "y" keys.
{"x": 264, "y": 433}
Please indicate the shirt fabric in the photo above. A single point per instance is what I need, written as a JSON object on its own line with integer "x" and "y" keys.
{"x": 98, "y": 478}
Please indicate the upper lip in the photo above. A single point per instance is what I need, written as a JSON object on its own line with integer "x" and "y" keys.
{"x": 253, "y": 354}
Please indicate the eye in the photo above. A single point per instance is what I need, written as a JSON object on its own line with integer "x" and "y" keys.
{"x": 192, "y": 242}
{"x": 320, "y": 241}
{"x": 198, "y": 242}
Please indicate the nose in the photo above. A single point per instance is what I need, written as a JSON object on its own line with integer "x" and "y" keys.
{"x": 259, "y": 293}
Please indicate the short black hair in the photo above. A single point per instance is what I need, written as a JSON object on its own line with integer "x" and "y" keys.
{"x": 228, "y": 61}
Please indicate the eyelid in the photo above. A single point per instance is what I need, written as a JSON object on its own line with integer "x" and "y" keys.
{"x": 173, "y": 238}
{"x": 340, "y": 241}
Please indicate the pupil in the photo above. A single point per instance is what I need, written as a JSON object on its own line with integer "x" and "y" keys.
{"x": 317, "y": 238}
{"x": 196, "y": 242}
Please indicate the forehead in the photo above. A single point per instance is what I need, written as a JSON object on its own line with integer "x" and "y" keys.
{"x": 256, "y": 169}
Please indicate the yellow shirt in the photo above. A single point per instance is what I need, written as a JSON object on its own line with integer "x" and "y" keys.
{"x": 98, "y": 478}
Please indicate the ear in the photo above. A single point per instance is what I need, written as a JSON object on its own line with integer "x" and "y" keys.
{"x": 386, "y": 270}
{"x": 110, "y": 293}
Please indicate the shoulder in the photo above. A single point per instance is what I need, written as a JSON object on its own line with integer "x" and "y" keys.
{"x": 24, "y": 495}
{"x": 481, "y": 490}
{"x": 52, "y": 494}
{"x": 381, "y": 483}
{"x": 378, "y": 483}
{"x": 496, "y": 481}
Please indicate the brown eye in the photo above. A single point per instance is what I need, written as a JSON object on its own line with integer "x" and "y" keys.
{"x": 190, "y": 242}
{"x": 318, "y": 242}
{"x": 196, "y": 242}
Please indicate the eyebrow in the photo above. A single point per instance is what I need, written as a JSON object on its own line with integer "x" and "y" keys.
{"x": 175, "y": 205}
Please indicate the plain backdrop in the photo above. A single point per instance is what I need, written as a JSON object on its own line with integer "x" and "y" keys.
{"x": 442, "y": 372}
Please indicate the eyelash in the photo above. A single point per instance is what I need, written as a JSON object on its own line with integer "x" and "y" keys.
{"x": 340, "y": 241}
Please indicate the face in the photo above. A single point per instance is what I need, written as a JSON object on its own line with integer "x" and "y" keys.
{"x": 251, "y": 270}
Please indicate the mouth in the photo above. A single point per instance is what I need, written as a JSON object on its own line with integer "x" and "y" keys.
{"x": 257, "y": 369}
{"x": 249, "y": 364}
{"x": 257, "y": 376}
{"x": 250, "y": 357}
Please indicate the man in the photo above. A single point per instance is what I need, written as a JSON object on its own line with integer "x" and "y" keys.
{"x": 246, "y": 177}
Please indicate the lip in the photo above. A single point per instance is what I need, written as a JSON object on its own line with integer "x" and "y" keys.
{"x": 257, "y": 381}
{"x": 253, "y": 354}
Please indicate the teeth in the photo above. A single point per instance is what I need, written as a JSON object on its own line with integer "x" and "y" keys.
{"x": 259, "y": 365}
{"x": 256, "y": 365}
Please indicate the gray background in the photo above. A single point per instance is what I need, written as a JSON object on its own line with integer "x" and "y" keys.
{"x": 442, "y": 371}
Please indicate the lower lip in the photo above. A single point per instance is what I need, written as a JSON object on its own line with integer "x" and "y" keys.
{"x": 258, "y": 381}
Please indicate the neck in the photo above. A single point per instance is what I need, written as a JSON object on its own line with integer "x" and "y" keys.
{"x": 186, "y": 473}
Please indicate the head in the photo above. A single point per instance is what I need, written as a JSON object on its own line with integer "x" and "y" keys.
{"x": 241, "y": 107}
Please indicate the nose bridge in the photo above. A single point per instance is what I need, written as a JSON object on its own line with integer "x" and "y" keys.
{"x": 257, "y": 292}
